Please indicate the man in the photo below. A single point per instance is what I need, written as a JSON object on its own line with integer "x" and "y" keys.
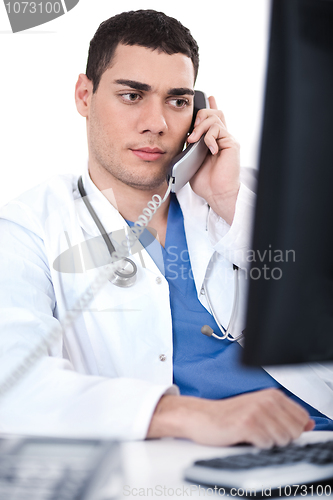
{"x": 111, "y": 373}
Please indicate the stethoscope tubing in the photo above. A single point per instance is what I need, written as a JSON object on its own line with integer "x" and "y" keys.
{"x": 226, "y": 332}
{"x": 125, "y": 278}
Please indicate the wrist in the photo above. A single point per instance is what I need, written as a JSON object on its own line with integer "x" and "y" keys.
{"x": 171, "y": 417}
{"x": 224, "y": 205}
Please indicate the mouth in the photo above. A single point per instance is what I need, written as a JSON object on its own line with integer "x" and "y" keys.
{"x": 148, "y": 154}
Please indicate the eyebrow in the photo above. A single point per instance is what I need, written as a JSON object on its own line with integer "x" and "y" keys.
{"x": 134, "y": 85}
{"x": 181, "y": 91}
{"x": 147, "y": 88}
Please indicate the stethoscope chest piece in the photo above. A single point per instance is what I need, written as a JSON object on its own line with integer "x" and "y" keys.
{"x": 125, "y": 273}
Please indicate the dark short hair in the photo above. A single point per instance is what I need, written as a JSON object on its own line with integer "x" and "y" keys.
{"x": 146, "y": 28}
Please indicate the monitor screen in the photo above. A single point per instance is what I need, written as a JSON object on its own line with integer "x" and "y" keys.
{"x": 290, "y": 303}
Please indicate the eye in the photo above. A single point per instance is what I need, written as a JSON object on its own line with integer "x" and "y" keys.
{"x": 179, "y": 103}
{"x": 130, "y": 97}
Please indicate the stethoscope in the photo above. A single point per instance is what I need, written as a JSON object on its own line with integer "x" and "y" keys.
{"x": 226, "y": 335}
{"x": 125, "y": 275}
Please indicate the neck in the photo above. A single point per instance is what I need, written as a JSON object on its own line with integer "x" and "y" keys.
{"x": 130, "y": 201}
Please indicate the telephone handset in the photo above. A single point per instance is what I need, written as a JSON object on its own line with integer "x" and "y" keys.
{"x": 185, "y": 165}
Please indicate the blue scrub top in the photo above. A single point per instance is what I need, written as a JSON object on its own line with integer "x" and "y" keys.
{"x": 204, "y": 366}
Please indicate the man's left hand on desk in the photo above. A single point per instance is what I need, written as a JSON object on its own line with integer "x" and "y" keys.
{"x": 263, "y": 418}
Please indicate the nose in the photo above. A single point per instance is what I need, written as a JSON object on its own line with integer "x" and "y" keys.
{"x": 152, "y": 118}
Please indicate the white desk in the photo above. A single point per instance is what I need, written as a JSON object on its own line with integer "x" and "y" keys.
{"x": 159, "y": 465}
{"x": 149, "y": 469}
{"x": 154, "y": 469}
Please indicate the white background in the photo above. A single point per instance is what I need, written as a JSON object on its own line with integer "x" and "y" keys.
{"x": 41, "y": 132}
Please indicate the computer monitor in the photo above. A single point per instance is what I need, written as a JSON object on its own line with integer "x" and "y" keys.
{"x": 290, "y": 303}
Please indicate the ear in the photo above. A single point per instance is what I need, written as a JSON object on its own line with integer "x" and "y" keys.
{"x": 83, "y": 93}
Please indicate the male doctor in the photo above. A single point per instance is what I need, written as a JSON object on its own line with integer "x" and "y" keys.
{"x": 134, "y": 363}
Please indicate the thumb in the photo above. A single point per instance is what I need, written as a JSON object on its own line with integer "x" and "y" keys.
{"x": 310, "y": 425}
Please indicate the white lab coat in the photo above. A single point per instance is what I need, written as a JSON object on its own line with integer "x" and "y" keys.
{"x": 105, "y": 375}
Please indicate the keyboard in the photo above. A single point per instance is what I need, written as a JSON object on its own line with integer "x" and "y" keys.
{"x": 292, "y": 470}
{"x": 56, "y": 469}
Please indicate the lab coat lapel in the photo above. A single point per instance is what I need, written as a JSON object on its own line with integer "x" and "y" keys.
{"x": 195, "y": 211}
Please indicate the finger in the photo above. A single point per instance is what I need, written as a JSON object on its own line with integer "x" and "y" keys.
{"x": 270, "y": 430}
{"x": 205, "y": 113}
{"x": 267, "y": 429}
{"x": 212, "y": 102}
{"x": 253, "y": 430}
{"x": 213, "y": 105}
{"x": 287, "y": 420}
{"x": 217, "y": 139}
{"x": 281, "y": 430}
{"x": 261, "y": 439}
{"x": 211, "y": 137}
{"x": 203, "y": 125}
{"x": 274, "y": 418}
{"x": 256, "y": 428}
{"x": 295, "y": 411}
